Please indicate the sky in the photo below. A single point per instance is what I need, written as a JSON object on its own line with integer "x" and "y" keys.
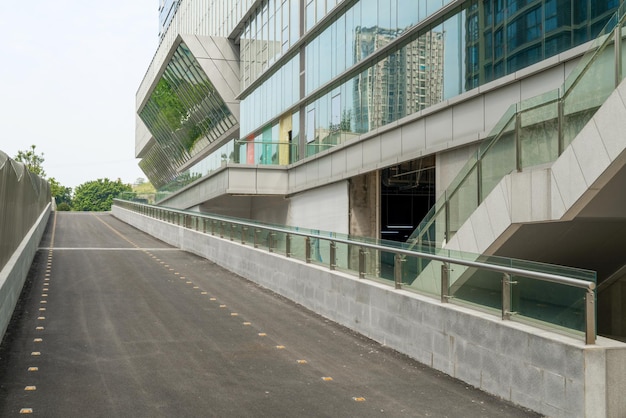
{"x": 69, "y": 71}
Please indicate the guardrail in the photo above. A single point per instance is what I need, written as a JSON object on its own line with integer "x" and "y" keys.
{"x": 522, "y": 289}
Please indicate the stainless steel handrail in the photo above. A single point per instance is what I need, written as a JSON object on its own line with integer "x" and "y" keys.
{"x": 507, "y": 272}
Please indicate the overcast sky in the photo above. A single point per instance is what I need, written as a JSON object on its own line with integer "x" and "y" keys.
{"x": 69, "y": 71}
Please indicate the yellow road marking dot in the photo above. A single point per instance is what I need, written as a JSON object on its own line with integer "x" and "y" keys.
{"x": 212, "y": 299}
{"x": 26, "y": 411}
{"x": 204, "y": 293}
{"x": 35, "y": 353}
{"x": 46, "y": 279}
{"x": 177, "y": 274}
{"x": 43, "y": 301}
{"x": 234, "y": 314}
{"x": 327, "y": 379}
{"x": 45, "y": 289}
{"x": 182, "y": 277}
{"x": 262, "y": 334}
{"x": 42, "y": 309}
{"x": 37, "y": 340}
{"x": 171, "y": 269}
{"x": 247, "y": 323}
{"x": 302, "y": 362}
{"x": 188, "y": 282}
{"x": 39, "y": 328}
{"x": 222, "y": 306}
{"x": 33, "y": 369}
{"x": 280, "y": 347}
{"x": 358, "y": 399}
{"x": 30, "y": 388}
{"x": 196, "y": 287}
{"x": 41, "y": 318}
{"x": 44, "y": 295}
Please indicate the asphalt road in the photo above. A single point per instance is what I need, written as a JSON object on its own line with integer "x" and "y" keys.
{"x": 114, "y": 323}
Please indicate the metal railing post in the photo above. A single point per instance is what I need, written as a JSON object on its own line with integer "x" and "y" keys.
{"x": 333, "y": 255}
{"x": 307, "y": 249}
{"x": 288, "y": 245}
{"x": 397, "y": 270}
{"x": 256, "y": 237}
{"x": 232, "y": 228}
{"x": 518, "y": 141}
{"x": 590, "y": 317}
{"x": 362, "y": 255}
{"x": 445, "y": 283}
{"x": 506, "y": 296}
{"x": 244, "y": 232}
{"x": 270, "y": 242}
{"x": 617, "y": 36}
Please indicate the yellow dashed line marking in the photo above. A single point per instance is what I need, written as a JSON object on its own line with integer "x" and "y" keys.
{"x": 171, "y": 269}
{"x": 46, "y": 279}
{"x": 234, "y": 314}
{"x": 41, "y": 318}
{"x": 26, "y": 411}
{"x": 204, "y": 293}
{"x": 44, "y": 295}
{"x": 358, "y": 399}
{"x": 35, "y": 353}
{"x": 196, "y": 287}
{"x": 247, "y": 323}
{"x": 302, "y": 361}
{"x": 327, "y": 379}
{"x": 222, "y": 306}
{"x": 45, "y": 289}
{"x": 33, "y": 369}
{"x": 188, "y": 282}
{"x": 42, "y": 309}
{"x": 43, "y": 301}
{"x": 30, "y": 388}
{"x": 262, "y": 334}
{"x": 280, "y": 347}
{"x": 39, "y": 328}
{"x": 213, "y": 299}
{"x": 37, "y": 340}
{"x": 176, "y": 274}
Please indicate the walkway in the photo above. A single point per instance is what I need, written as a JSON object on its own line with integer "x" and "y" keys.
{"x": 114, "y": 323}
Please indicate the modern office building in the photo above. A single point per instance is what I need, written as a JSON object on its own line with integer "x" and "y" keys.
{"x": 471, "y": 125}
{"x": 167, "y": 9}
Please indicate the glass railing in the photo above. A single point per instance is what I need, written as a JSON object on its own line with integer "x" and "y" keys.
{"x": 555, "y": 297}
{"x": 531, "y": 133}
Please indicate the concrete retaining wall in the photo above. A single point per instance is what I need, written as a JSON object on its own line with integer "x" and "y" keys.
{"x": 552, "y": 374}
{"x": 13, "y": 275}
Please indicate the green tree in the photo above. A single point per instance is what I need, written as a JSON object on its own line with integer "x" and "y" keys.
{"x": 60, "y": 193}
{"x": 32, "y": 160}
{"x": 98, "y": 195}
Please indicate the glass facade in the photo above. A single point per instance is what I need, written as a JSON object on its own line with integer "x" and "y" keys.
{"x": 357, "y": 66}
{"x": 167, "y": 9}
{"x": 184, "y": 113}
